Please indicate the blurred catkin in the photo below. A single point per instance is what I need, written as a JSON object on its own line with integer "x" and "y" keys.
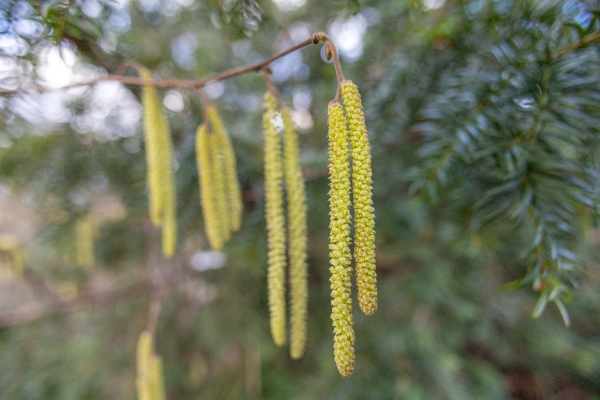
{"x": 84, "y": 241}
{"x": 149, "y": 379}
{"x": 364, "y": 219}
{"x": 297, "y": 237}
{"x": 276, "y": 258}
{"x": 219, "y": 187}
{"x": 207, "y": 192}
{"x": 159, "y": 157}
{"x": 232, "y": 185}
{"x": 13, "y": 253}
{"x": 143, "y": 355}
{"x": 339, "y": 240}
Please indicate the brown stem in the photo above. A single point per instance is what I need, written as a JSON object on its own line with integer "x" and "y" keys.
{"x": 271, "y": 87}
{"x": 585, "y": 41}
{"x": 205, "y": 104}
{"x": 334, "y": 56}
{"x": 185, "y": 83}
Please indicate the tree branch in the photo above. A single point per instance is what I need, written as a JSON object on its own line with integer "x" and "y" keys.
{"x": 186, "y": 83}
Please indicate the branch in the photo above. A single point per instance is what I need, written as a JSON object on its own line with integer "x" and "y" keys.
{"x": 584, "y": 42}
{"x": 186, "y": 83}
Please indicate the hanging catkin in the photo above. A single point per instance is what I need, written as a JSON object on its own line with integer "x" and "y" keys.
{"x": 276, "y": 259}
{"x": 232, "y": 185}
{"x": 149, "y": 380}
{"x": 84, "y": 241}
{"x": 364, "y": 219}
{"x": 207, "y": 193}
{"x": 297, "y": 237}
{"x": 219, "y": 187}
{"x": 159, "y": 157}
{"x": 339, "y": 240}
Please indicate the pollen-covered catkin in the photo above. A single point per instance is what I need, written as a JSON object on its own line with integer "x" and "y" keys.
{"x": 232, "y": 185}
{"x": 339, "y": 240}
{"x": 219, "y": 187}
{"x": 159, "y": 156}
{"x": 276, "y": 258}
{"x": 207, "y": 193}
{"x": 297, "y": 237}
{"x": 364, "y": 219}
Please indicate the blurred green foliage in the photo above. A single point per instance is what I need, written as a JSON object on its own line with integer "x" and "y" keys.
{"x": 484, "y": 119}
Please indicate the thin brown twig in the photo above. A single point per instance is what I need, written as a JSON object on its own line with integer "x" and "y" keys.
{"x": 183, "y": 83}
{"x": 271, "y": 87}
{"x": 205, "y": 104}
{"x": 334, "y": 55}
{"x": 585, "y": 41}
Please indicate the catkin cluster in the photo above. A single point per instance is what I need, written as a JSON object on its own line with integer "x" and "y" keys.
{"x": 159, "y": 157}
{"x": 280, "y": 170}
{"x": 220, "y": 193}
{"x": 149, "y": 380}
{"x": 348, "y": 137}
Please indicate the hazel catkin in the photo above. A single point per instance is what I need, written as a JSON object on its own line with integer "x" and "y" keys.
{"x": 84, "y": 241}
{"x": 207, "y": 192}
{"x": 364, "y": 219}
{"x": 276, "y": 259}
{"x": 219, "y": 188}
{"x": 159, "y": 157}
{"x": 149, "y": 379}
{"x": 339, "y": 240}
{"x": 297, "y": 237}
{"x": 232, "y": 185}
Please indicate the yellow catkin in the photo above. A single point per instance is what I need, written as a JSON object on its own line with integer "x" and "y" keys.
{"x": 219, "y": 187}
{"x": 12, "y": 258}
{"x": 150, "y": 108}
{"x": 84, "y": 241}
{"x": 207, "y": 194}
{"x": 339, "y": 241}
{"x": 159, "y": 156}
{"x": 364, "y": 218}
{"x": 297, "y": 237}
{"x": 155, "y": 381}
{"x": 143, "y": 357}
{"x": 276, "y": 258}
{"x": 234, "y": 194}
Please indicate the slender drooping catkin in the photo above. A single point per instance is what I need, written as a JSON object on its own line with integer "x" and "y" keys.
{"x": 207, "y": 192}
{"x": 143, "y": 356}
{"x": 155, "y": 378}
{"x": 84, "y": 241}
{"x": 149, "y": 379}
{"x": 159, "y": 156}
{"x": 339, "y": 240}
{"x": 276, "y": 259}
{"x": 232, "y": 185}
{"x": 219, "y": 187}
{"x": 297, "y": 237}
{"x": 364, "y": 219}
{"x": 11, "y": 249}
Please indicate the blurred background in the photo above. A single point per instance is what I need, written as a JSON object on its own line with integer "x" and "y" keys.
{"x": 484, "y": 121}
